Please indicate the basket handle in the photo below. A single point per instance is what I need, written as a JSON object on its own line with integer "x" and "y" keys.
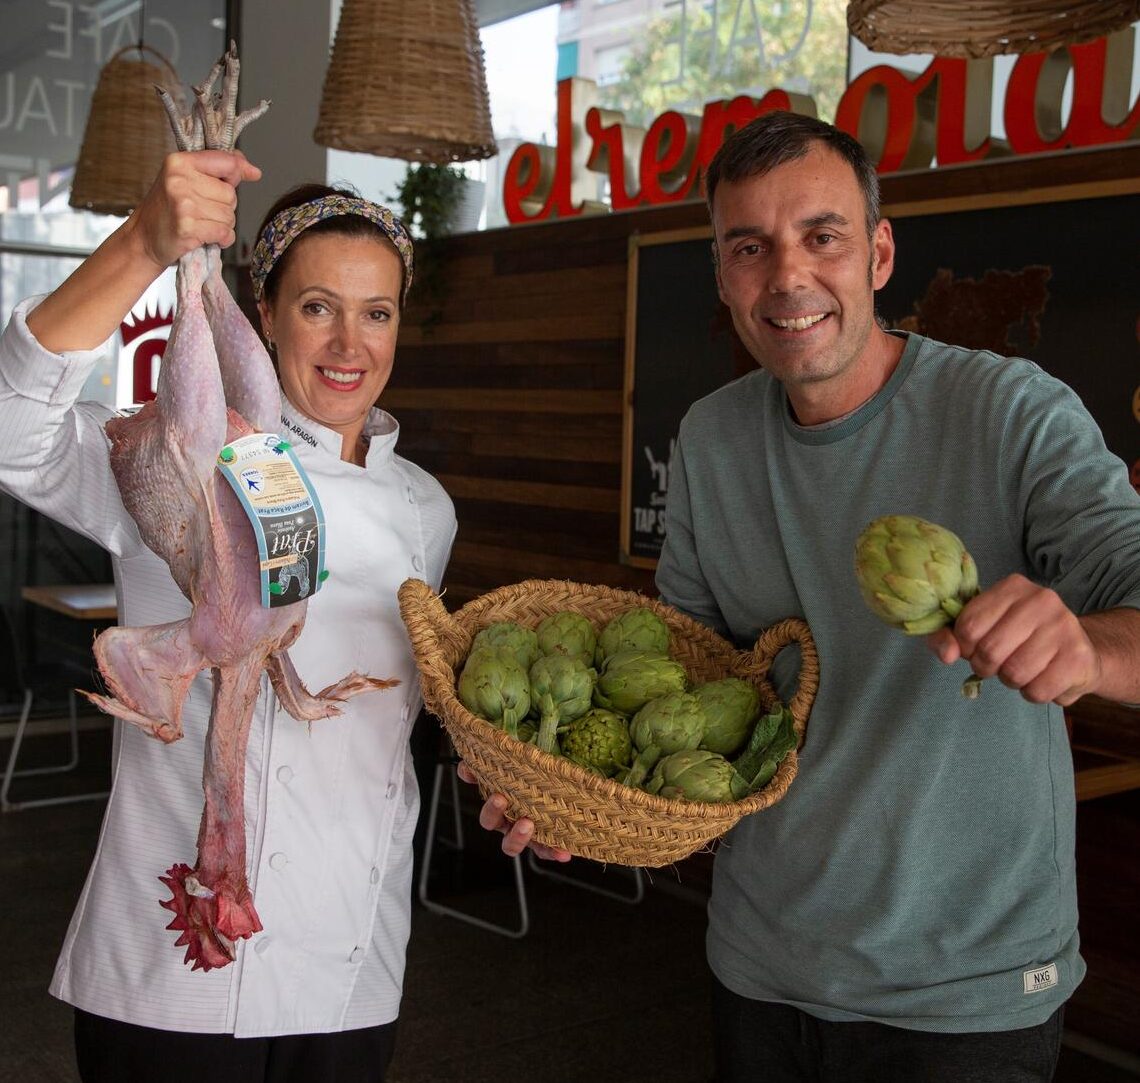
{"x": 140, "y": 47}
{"x": 771, "y": 642}
{"x": 434, "y": 634}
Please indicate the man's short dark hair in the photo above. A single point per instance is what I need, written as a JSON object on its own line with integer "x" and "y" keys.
{"x": 779, "y": 137}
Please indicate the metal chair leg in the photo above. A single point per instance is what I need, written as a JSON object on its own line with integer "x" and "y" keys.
{"x": 10, "y": 771}
{"x": 632, "y": 898}
{"x": 425, "y": 869}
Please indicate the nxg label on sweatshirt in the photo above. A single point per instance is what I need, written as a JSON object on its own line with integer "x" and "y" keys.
{"x": 286, "y": 515}
{"x": 1037, "y": 981}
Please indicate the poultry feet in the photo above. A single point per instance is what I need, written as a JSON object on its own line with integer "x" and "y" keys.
{"x": 211, "y": 919}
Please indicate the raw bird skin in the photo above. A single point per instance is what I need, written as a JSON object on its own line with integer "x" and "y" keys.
{"x": 216, "y": 384}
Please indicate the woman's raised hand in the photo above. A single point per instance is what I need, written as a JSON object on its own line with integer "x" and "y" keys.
{"x": 193, "y": 202}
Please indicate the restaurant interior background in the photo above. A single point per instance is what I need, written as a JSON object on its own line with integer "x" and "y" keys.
{"x": 514, "y": 382}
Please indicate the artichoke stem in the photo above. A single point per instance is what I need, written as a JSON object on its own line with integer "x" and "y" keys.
{"x": 547, "y": 728}
{"x": 643, "y": 763}
{"x": 972, "y": 686}
{"x": 510, "y": 722}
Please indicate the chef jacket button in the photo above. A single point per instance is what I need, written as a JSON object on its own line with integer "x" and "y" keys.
{"x": 356, "y": 955}
{"x": 261, "y": 945}
{"x": 411, "y": 495}
{"x": 417, "y": 563}
{"x": 278, "y": 861}
{"x": 285, "y": 774}
{"x": 390, "y": 792}
{"x": 404, "y": 712}
{"x": 374, "y": 876}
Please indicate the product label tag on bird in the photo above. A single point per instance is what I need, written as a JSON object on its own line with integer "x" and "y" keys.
{"x": 285, "y": 512}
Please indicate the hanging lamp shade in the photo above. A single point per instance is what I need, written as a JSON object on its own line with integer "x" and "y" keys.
{"x": 981, "y": 28}
{"x": 406, "y": 80}
{"x": 127, "y": 133}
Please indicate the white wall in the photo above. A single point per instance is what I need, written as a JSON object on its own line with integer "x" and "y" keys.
{"x": 284, "y": 55}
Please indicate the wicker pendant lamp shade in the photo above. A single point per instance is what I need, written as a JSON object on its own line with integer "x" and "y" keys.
{"x": 127, "y": 133}
{"x": 406, "y": 80}
{"x": 981, "y": 28}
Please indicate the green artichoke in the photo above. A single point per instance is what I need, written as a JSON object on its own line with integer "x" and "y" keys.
{"x": 521, "y": 642}
{"x": 666, "y": 724}
{"x": 599, "y": 740}
{"x": 635, "y": 629}
{"x": 560, "y": 691}
{"x": 630, "y": 679}
{"x": 694, "y": 774}
{"x": 916, "y": 576}
{"x": 494, "y": 686}
{"x": 731, "y": 706}
{"x": 701, "y": 775}
{"x": 567, "y": 633}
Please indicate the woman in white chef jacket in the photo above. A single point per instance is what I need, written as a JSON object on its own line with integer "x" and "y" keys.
{"x": 330, "y": 807}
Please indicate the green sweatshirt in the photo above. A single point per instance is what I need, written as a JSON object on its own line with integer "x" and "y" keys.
{"x": 920, "y": 870}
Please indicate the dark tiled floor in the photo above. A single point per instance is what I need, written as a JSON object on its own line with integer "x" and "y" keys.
{"x": 598, "y": 990}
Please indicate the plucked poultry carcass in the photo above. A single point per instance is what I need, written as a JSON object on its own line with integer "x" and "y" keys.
{"x": 216, "y": 384}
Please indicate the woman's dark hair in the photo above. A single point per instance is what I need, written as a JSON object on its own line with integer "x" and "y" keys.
{"x": 776, "y": 138}
{"x": 347, "y": 225}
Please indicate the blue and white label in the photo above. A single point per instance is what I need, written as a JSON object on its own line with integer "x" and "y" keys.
{"x": 285, "y": 514}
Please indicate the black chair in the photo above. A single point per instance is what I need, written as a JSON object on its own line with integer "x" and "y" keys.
{"x": 22, "y": 684}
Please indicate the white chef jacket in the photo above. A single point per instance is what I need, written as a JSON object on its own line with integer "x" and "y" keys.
{"x": 330, "y": 806}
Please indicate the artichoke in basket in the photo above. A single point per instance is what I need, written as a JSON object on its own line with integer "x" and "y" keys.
{"x": 916, "y": 576}
{"x": 731, "y": 706}
{"x": 630, "y": 679}
{"x": 494, "y": 686}
{"x": 521, "y": 642}
{"x": 667, "y": 724}
{"x": 560, "y": 691}
{"x": 636, "y": 629}
{"x": 701, "y": 775}
{"x": 598, "y": 740}
{"x": 568, "y": 633}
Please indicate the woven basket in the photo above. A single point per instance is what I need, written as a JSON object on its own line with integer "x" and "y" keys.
{"x": 980, "y": 28}
{"x": 127, "y": 134}
{"x": 406, "y": 80}
{"x": 572, "y": 808}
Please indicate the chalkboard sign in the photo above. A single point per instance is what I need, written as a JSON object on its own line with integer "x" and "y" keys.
{"x": 1057, "y": 282}
{"x": 679, "y": 347}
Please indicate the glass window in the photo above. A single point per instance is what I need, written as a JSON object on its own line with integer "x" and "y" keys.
{"x": 523, "y": 61}
{"x": 54, "y": 52}
{"x": 690, "y": 52}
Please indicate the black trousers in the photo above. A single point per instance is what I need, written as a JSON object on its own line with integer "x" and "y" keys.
{"x": 758, "y": 1042}
{"x": 111, "y": 1052}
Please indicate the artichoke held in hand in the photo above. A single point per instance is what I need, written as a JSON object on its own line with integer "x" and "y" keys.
{"x": 916, "y": 576}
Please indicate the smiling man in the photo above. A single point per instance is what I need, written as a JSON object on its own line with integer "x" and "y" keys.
{"x": 908, "y": 911}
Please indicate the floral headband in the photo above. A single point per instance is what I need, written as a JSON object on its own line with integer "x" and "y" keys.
{"x": 290, "y": 223}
